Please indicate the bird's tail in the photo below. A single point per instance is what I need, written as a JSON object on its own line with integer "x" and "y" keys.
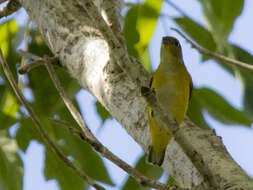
{"x": 160, "y": 140}
{"x": 156, "y": 157}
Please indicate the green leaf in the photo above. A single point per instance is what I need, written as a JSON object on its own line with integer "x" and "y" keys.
{"x": 81, "y": 152}
{"x": 102, "y": 112}
{"x": 247, "y": 99}
{"x": 83, "y": 155}
{"x": 40, "y": 82}
{"x": 172, "y": 182}
{"x": 8, "y": 43}
{"x": 146, "y": 23}
{"x": 220, "y": 15}
{"x": 11, "y": 106}
{"x": 195, "y": 111}
{"x": 2, "y": 95}
{"x": 11, "y": 167}
{"x": 27, "y": 132}
{"x": 140, "y": 23}
{"x": 220, "y": 109}
{"x": 242, "y": 55}
{"x": 43, "y": 105}
{"x": 145, "y": 60}
{"x": 6, "y": 121}
{"x": 148, "y": 170}
{"x": 55, "y": 168}
{"x": 246, "y": 77}
{"x": 7, "y": 30}
{"x": 197, "y": 32}
{"x": 52, "y": 103}
{"x": 7, "y": 112}
{"x": 130, "y": 32}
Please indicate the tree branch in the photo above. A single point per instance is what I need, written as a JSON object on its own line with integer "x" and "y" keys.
{"x": 112, "y": 11}
{"x": 117, "y": 50}
{"x": 214, "y": 55}
{"x": 11, "y": 7}
{"x": 40, "y": 127}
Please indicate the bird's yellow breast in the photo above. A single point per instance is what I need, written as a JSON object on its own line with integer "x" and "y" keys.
{"x": 172, "y": 88}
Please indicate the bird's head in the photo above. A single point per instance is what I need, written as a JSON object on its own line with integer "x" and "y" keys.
{"x": 171, "y": 48}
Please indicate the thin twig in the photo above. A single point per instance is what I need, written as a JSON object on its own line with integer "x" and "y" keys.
{"x": 22, "y": 64}
{"x": 40, "y": 127}
{"x": 11, "y": 7}
{"x": 25, "y": 69}
{"x": 88, "y": 137}
{"x": 73, "y": 130}
{"x": 176, "y": 8}
{"x": 74, "y": 112}
{"x": 30, "y": 56}
{"x": 36, "y": 61}
{"x": 214, "y": 55}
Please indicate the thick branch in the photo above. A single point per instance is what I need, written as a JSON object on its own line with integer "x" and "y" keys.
{"x": 11, "y": 7}
{"x": 112, "y": 12}
{"x": 117, "y": 50}
{"x": 95, "y": 57}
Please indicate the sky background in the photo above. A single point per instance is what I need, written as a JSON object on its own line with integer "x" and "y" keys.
{"x": 238, "y": 140}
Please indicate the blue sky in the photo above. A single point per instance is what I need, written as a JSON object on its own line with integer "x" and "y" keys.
{"x": 238, "y": 140}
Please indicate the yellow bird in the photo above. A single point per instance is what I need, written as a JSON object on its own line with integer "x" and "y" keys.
{"x": 172, "y": 85}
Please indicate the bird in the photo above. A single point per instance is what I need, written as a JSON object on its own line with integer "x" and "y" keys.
{"x": 172, "y": 85}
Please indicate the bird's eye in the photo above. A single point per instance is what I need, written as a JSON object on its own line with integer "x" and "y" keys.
{"x": 152, "y": 113}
